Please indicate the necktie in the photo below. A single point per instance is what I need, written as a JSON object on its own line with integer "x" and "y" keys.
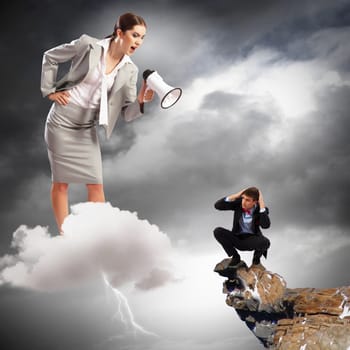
{"x": 247, "y": 211}
{"x": 103, "y": 117}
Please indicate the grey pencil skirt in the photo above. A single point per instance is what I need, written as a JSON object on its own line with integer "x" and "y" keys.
{"x": 72, "y": 144}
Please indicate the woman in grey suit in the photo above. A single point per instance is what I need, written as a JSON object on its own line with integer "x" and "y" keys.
{"x": 100, "y": 86}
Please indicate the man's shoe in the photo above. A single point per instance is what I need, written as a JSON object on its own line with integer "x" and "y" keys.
{"x": 230, "y": 270}
{"x": 234, "y": 262}
{"x": 257, "y": 255}
{"x": 236, "y": 266}
{"x": 256, "y": 260}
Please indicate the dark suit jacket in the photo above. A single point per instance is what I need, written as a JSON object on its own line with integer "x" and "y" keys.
{"x": 259, "y": 219}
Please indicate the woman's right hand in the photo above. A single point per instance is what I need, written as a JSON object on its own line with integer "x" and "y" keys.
{"x": 60, "y": 97}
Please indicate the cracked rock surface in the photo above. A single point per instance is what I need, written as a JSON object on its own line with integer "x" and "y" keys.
{"x": 288, "y": 319}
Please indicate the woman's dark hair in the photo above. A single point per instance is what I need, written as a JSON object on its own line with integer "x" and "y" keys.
{"x": 252, "y": 192}
{"x": 126, "y": 22}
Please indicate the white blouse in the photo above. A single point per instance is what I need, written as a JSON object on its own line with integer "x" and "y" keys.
{"x": 93, "y": 90}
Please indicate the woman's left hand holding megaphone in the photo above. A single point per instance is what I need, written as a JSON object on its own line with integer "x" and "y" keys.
{"x": 145, "y": 93}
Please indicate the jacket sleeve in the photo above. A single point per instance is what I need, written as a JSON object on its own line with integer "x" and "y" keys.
{"x": 221, "y": 204}
{"x": 264, "y": 220}
{"x": 131, "y": 108}
{"x": 51, "y": 60}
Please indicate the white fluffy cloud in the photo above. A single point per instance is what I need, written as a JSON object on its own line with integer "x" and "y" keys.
{"x": 98, "y": 238}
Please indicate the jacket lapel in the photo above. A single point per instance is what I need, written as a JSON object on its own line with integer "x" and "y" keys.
{"x": 95, "y": 55}
{"x": 121, "y": 78}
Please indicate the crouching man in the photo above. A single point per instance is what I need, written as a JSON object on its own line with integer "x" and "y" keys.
{"x": 250, "y": 214}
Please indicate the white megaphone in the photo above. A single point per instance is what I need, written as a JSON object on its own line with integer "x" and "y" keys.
{"x": 168, "y": 94}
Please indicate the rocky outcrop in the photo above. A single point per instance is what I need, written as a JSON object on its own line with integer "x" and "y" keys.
{"x": 288, "y": 319}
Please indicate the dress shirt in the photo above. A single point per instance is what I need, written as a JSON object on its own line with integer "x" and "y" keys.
{"x": 92, "y": 92}
{"x": 246, "y": 220}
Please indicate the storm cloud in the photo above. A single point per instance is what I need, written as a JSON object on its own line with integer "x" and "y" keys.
{"x": 265, "y": 102}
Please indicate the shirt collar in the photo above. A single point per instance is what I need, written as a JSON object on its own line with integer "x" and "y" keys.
{"x": 105, "y": 44}
{"x": 251, "y": 210}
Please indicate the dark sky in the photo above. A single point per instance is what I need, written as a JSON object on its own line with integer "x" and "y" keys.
{"x": 266, "y": 102}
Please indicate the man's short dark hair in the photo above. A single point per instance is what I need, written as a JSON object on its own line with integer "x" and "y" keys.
{"x": 252, "y": 192}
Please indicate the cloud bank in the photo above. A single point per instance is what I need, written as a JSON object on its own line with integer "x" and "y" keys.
{"x": 98, "y": 238}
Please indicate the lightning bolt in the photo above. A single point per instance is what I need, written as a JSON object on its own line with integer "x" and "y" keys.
{"x": 124, "y": 311}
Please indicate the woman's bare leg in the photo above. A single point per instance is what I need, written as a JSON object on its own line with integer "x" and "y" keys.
{"x": 59, "y": 200}
{"x": 95, "y": 193}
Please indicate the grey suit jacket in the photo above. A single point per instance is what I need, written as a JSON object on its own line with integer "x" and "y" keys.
{"x": 84, "y": 54}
